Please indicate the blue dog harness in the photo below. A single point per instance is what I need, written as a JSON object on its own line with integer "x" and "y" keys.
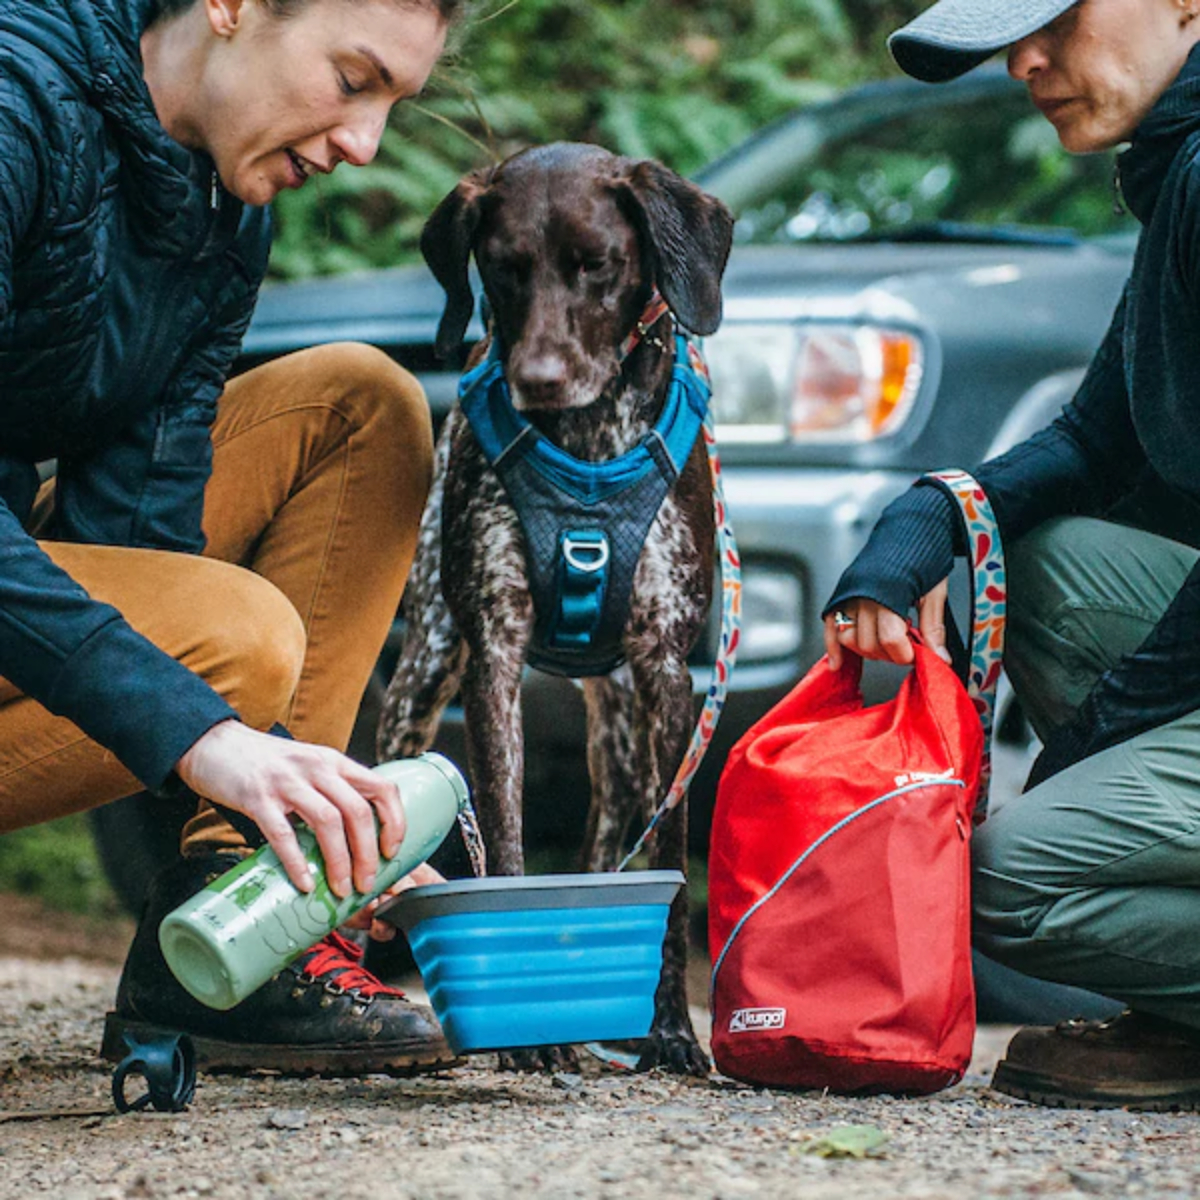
{"x": 585, "y": 523}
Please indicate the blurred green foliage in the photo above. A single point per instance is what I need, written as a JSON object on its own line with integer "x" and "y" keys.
{"x": 58, "y": 862}
{"x": 677, "y": 80}
{"x": 992, "y": 162}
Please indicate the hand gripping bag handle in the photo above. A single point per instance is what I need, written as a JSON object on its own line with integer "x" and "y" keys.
{"x": 989, "y": 596}
{"x": 932, "y": 707}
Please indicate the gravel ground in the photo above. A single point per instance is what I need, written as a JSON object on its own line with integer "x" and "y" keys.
{"x": 475, "y": 1132}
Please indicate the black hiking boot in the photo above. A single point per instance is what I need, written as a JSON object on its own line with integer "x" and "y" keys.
{"x": 1132, "y": 1061}
{"x": 322, "y": 1015}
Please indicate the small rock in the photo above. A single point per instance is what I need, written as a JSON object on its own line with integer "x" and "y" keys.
{"x": 288, "y": 1118}
{"x": 568, "y": 1082}
{"x": 1091, "y": 1182}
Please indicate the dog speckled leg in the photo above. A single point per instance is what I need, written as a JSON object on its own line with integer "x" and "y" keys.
{"x": 666, "y": 693}
{"x": 433, "y": 653}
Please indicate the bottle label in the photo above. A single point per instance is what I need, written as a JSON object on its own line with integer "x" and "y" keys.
{"x": 288, "y": 919}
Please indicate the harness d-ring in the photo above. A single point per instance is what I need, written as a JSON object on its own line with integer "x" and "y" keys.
{"x": 585, "y": 556}
{"x": 582, "y": 583}
{"x": 167, "y": 1064}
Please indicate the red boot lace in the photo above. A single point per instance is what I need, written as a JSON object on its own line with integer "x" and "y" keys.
{"x": 338, "y": 960}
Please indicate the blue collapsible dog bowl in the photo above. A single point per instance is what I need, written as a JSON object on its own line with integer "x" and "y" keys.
{"x": 539, "y": 961}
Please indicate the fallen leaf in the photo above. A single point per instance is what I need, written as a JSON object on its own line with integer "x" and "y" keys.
{"x": 847, "y": 1141}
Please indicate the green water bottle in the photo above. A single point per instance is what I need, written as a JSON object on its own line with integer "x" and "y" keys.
{"x": 246, "y": 926}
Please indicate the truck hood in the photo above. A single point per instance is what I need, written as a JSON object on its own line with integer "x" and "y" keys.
{"x": 795, "y": 271}
{"x": 402, "y": 306}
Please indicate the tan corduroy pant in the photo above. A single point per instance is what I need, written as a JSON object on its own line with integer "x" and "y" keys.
{"x": 321, "y": 466}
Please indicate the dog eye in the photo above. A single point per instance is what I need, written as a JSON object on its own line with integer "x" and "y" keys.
{"x": 504, "y": 268}
{"x": 592, "y": 266}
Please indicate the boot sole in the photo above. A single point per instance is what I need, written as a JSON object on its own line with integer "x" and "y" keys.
{"x": 217, "y": 1057}
{"x": 1052, "y": 1092}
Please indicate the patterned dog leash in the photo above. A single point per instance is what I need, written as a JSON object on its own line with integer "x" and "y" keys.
{"x": 989, "y": 598}
{"x": 731, "y": 625}
{"x": 714, "y": 700}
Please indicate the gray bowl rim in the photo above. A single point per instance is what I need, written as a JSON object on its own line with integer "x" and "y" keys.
{"x": 509, "y": 893}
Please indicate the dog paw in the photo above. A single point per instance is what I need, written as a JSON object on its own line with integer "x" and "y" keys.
{"x": 539, "y": 1059}
{"x": 678, "y": 1053}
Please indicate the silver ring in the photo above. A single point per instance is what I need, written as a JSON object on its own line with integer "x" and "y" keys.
{"x": 842, "y": 621}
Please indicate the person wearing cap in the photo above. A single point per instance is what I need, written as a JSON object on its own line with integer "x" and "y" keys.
{"x": 1092, "y": 876}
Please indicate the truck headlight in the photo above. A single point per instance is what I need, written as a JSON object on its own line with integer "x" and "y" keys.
{"x": 812, "y": 381}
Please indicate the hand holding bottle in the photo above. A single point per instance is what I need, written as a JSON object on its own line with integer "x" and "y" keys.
{"x": 355, "y": 813}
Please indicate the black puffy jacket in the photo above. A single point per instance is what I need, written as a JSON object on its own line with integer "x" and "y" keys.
{"x": 127, "y": 279}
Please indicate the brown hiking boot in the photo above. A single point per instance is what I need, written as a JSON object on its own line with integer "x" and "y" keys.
{"x": 1129, "y": 1061}
{"x": 325, "y": 1014}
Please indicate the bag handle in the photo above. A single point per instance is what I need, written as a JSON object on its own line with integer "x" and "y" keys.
{"x": 989, "y": 600}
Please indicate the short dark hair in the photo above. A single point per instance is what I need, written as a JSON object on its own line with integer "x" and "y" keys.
{"x": 450, "y": 10}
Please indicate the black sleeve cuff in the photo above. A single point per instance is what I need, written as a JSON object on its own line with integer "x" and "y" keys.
{"x": 910, "y": 550}
{"x": 137, "y": 701}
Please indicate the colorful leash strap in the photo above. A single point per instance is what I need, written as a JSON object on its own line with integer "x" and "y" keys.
{"x": 989, "y": 595}
{"x": 731, "y": 625}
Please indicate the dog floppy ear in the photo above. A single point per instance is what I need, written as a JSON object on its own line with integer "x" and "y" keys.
{"x": 446, "y": 242}
{"x": 689, "y": 233}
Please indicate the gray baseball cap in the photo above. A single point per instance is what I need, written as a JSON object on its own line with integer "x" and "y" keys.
{"x": 953, "y": 36}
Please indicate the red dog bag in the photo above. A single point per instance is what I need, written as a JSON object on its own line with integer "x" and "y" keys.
{"x": 839, "y": 883}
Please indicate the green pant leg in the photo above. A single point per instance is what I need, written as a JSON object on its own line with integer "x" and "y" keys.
{"x": 1082, "y": 593}
{"x": 1093, "y": 878}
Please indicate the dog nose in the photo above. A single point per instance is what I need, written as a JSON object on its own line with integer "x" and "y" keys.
{"x": 541, "y": 377}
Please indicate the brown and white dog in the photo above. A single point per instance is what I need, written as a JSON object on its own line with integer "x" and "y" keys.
{"x": 570, "y": 242}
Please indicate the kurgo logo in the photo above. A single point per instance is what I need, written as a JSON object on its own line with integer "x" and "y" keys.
{"x": 749, "y": 1020}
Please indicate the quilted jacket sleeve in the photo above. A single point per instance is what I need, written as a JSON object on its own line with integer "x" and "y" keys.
{"x": 145, "y": 486}
{"x": 21, "y": 173}
{"x": 76, "y": 656}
